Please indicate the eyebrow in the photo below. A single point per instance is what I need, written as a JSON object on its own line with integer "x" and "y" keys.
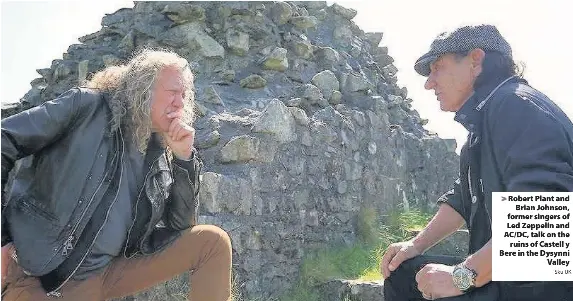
{"x": 436, "y": 62}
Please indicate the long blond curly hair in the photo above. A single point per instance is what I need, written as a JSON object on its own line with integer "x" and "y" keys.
{"x": 131, "y": 89}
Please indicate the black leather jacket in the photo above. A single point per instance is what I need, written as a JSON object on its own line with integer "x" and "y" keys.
{"x": 59, "y": 203}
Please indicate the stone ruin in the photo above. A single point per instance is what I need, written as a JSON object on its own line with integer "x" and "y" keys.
{"x": 300, "y": 124}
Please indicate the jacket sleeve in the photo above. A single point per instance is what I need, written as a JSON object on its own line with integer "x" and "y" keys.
{"x": 454, "y": 199}
{"x": 532, "y": 148}
{"x": 29, "y": 131}
{"x": 182, "y": 208}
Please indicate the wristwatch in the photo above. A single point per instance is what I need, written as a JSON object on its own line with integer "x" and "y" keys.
{"x": 464, "y": 278}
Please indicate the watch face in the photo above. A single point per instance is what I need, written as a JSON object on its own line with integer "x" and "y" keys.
{"x": 462, "y": 278}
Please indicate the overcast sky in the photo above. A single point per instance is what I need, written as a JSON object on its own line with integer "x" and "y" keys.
{"x": 35, "y": 33}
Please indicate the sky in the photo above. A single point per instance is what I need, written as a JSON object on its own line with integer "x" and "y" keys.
{"x": 33, "y": 33}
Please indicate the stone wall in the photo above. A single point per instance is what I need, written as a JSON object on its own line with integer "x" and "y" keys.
{"x": 300, "y": 124}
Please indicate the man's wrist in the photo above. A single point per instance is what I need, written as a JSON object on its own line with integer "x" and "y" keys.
{"x": 419, "y": 244}
{"x": 187, "y": 157}
{"x": 483, "y": 271}
{"x": 464, "y": 277}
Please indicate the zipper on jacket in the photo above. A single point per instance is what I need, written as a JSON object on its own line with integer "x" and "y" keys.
{"x": 198, "y": 169}
{"x": 199, "y": 166}
{"x": 473, "y": 197}
{"x": 470, "y": 183}
{"x": 485, "y": 205}
{"x": 135, "y": 210}
{"x": 56, "y": 292}
{"x": 68, "y": 245}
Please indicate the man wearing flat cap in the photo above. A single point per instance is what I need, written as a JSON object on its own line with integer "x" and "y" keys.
{"x": 519, "y": 141}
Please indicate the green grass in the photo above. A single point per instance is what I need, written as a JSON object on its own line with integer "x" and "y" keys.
{"x": 360, "y": 261}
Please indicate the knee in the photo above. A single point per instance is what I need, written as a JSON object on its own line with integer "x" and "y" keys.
{"x": 410, "y": 266}
{"x": 224, "y": 240}
{"x": 404, "y": 274}
{"x": 401, "y": 283}
{"x": 217, "y": 236}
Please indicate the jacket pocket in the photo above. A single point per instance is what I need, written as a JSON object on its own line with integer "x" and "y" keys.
{"x": 35, "y": 233}
{"x": 29, "y": 206}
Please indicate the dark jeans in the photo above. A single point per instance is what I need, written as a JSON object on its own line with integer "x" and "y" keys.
{"x": 401, "y": 285}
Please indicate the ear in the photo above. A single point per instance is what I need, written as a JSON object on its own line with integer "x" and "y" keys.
{"x": 476, "y": 58}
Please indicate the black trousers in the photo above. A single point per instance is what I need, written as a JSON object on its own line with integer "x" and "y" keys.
{"x": 401, "y": 285}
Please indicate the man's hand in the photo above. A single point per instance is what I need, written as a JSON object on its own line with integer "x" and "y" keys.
{"x": 180, "y": 137}
{"x": 395, "y": 254}
{"x": 6, "y": 258}
{"x": 435, "y": 281}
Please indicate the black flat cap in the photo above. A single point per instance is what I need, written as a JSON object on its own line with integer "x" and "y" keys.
{"x": 466, "y": 38}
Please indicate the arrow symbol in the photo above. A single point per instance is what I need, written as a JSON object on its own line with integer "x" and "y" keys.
{"x": 503, "y": 198}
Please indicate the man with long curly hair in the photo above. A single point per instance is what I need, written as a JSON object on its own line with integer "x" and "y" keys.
{"x": 108, "y": 207}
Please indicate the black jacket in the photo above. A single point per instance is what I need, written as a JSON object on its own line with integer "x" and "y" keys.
{"x": 59, "y": 203}
{"x": 519, "y": 140}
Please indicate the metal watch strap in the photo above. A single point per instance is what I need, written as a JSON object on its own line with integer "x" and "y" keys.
{"x": 472, "y": 273}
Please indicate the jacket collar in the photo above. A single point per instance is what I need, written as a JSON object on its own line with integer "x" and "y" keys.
{"x": 469, "y": 114}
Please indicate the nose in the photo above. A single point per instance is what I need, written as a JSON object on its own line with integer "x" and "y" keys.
{"x": 178, "y": 101}
{"x": 430, "y": 83}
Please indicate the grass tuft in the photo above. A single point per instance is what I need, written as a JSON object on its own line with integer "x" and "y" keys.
{"x": 360, "y": 261}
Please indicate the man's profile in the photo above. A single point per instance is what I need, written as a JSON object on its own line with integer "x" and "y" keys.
{"x": 519, "y": 141}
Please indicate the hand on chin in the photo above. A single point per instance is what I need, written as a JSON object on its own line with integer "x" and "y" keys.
{"x": 179, "y": 137}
